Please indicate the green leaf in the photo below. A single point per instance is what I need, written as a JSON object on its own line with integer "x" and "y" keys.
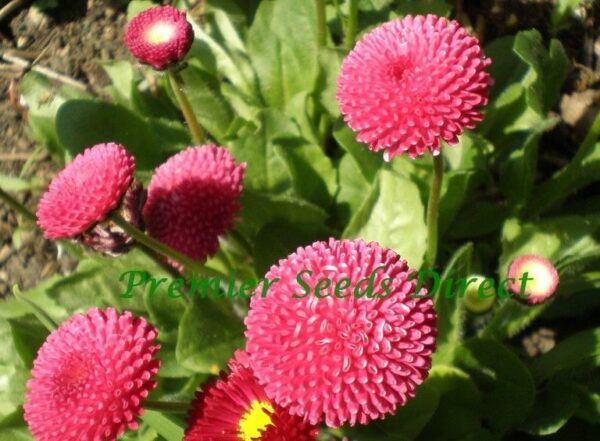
{"x": 224, "y": 54}
{"x": 517, "y": 172}
{"x": 353, "y": 189}
{"x": 477, "y": 219}
{"x": 259, "y": 209}
{"x": 43, "y": 101}
{"x": 136, "y": 6}
{"x": 511, "y": 318}
{"x": 208, "y": 337}
{"x": 437, "y": 7}
{"x": 456, "y": 188}
{"x": 554, "y": 405}
{"x": 121, "y": 75}
{"x": 255, "y": 145}
{"x": 583, "y": 169}
{"x": 14, "y": 184}
{"x": 590, "y": 405}
{"x": 313, "y": 174}
{"x": 367, "y": 161}
{"x": 571, "y": 238}
{"x": 578, "y": 350}
{"x": 42, "y": 315}
{"x": 528, "y": 79}
{"x": 508, "y": 386}
{"x": 165, "y": 426}
{"x": 560, "y": 13}
{"x": 458, "y": 412}
{"x": 276, "y": 240}
{"x": 28, "y": 336}
{"x": 396, "y": 223}
{"x": 450, "y": 308}
{"x": 406, "y": 423}
{"x": 286, "y": 63}
{"x": 83, "y": 123}
{"x": 210, "y": 106}
{"x": 13, "y": 373}
{"x": 330, "y": 60}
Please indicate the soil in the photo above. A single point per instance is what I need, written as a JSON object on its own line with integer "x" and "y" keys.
{"x": 67, "y": 40}
{"x": 71, "y": 37}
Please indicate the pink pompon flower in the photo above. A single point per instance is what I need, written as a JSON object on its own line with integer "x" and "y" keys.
{"x": 85, "y": 191}
{"x": 533, "y": 279}
{"x": 193, "y": 198}
{"x": 411, "y": 83}
{"x": 159, "y": 36}
{"x": 91, "y": 376}
{"x": 236, "y": 408}
{"x": 343, "y": 353}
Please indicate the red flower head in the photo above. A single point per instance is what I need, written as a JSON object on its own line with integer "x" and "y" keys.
{"x": 193, "y": 198}
{"x": 542, "y": 279}
{"x": 85, "y": 191}
{"x": 236, "y": 408}
{"x": 353, "y": 353}
{"x": 159, "y": 36}
{"x": 90, "y": 377}
{"x": 411, "y": 83}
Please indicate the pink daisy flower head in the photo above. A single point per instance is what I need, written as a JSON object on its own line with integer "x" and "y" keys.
{"x": 85, "y": 191}
{"x": 193, "y": 198}
{"x": 159, "y": 36}
{"x": 339, "y": 337}
{"x": 236, "y": 408}
{"x": 411, "y": 83}
{"x": 90, "y": 377}
{"x": 533, "y": 279}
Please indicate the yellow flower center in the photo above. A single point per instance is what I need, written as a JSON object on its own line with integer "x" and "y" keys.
{"x": 160, "y": 32}
{"x": 255, "y": 421}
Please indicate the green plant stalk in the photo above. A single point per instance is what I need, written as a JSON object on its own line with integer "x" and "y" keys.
{"x": 433, "y": 209}
{"x": 178, "y": 86}
{"x": 17, "y": 206}
{"x": 321, "y": 23}
{"x": 352, "y": 25}
{"x": 167, "y": 406}
{"x": 159, "y": 247}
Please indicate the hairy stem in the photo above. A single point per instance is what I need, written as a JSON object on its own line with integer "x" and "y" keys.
{"x": 17, "y": 206}
{"x": 160, "y": 248}
{"x": 167, "y": 406}
{"x": 321, "y": 23}
{"x": 178, "y": 89}
{"x": 352, "y": 26}
{"x": 433, "y": 208}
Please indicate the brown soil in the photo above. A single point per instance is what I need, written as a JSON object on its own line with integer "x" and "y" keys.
{"x": 69, "y": 40}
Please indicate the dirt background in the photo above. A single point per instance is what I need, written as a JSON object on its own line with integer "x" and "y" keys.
{"x": 69, "y": 39}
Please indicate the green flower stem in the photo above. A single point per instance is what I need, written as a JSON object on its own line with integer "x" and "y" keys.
{"x": 352, "y": 25}
{"x": 167, "y": 406}
{"x": 321, "y": 23}
{"x": 17, "y": 206}
{"x": 433, "y": 208}
{"x": 159, "y": 247}
{"x": 178, "y": 89}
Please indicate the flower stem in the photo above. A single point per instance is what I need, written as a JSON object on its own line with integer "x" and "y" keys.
{"x": 352, "y": 26}
{"x": 167, "y": 406}
{"x": 433, "y": 208}
{"x": 17, "y": 206}
{"x": 159, "y": 247}
{"x": 321, "y": 23}
{"x": 178, "y": 89}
